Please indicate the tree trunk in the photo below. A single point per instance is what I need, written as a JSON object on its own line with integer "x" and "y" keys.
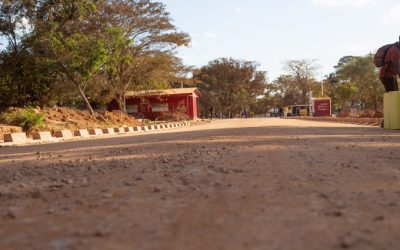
{"x": 81, "y": 93}
{"x": 88, "y": 106}
{"x": 121, "y": 102}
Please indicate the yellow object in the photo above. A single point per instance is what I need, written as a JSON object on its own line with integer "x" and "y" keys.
{"x": 391, "y": 110}
{"x": 303, "y": 112}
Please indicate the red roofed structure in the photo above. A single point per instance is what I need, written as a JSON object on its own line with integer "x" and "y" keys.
{"x": 152, "y": 104}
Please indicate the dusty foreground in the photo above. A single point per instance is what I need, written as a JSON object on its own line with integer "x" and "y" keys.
{"x": 238, "y": 184}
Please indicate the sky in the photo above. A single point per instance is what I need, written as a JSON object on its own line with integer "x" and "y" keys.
{"x": 272, "y": 32}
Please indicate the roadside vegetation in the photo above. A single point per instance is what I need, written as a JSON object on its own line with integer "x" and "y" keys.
{"x": 84, "y": 53}
{"x": 26, "y": 118}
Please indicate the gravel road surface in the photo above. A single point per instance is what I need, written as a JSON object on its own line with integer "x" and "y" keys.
{"x": 233, "y": 184}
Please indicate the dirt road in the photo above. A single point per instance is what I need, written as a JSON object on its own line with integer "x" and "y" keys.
{"x": 237, "y": 184}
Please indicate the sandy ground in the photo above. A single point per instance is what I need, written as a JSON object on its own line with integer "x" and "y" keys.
{"x": 237, "y": 184}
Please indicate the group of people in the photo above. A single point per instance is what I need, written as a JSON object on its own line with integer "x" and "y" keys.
{"x": 276, "y": 112}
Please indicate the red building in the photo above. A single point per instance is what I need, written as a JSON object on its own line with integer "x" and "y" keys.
{"x": 156, "y": 103}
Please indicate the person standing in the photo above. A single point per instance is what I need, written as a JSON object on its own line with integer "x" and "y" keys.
{"x": 285, "y": 112}
{"x": 391, "y": 68}
{"x": 271, "y": 112}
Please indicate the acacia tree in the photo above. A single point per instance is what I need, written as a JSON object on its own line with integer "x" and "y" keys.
{"x": 286, "y": 90}
{"x": 355, "y": 83}
{"x": 303, "y": 72}
{"x": 361, "y": 72}
{"x": 143, "y": 47}
{"x": 229, "y": 85}
{"x": 75, "y": 46}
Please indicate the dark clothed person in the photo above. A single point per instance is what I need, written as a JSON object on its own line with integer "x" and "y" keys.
{"x": 390, "y": 70}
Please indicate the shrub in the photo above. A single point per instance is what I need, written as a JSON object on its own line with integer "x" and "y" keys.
{"x": 27, "y": 118}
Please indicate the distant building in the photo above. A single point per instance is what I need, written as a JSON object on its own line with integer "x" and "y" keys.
{"x": 152, "y": 104}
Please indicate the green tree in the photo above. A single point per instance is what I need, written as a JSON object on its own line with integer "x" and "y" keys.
{"x": 143, "y": 44}
{"x": 303, "y": 72}
{"x": 363, "y": 73}
{"x": 25, "y": 77}
{"x": 356, "y": 83}
{"x": 95, "y": 49}
{"x": 75, "y": 45}
{"x": 229, "y": 85}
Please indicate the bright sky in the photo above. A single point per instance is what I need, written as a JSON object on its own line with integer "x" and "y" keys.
{"x": 272, "y": 32}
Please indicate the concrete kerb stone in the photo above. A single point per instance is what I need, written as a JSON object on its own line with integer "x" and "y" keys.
{"x": 120, "y": 130}
{"x": 64, "y": 134}
{"x": 21, "y": 138}
{"x": 43, "y": 136}
{"x": 83, "y": 133}
{"x": 128, "y": 129}
{"x": 16, "y": 138}
{"x": 95, "y": 131}
{"x": 137, "y": 129}
{"x": 108, "y": 131}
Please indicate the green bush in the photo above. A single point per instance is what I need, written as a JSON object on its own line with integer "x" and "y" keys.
{"x": 27, "y": 118}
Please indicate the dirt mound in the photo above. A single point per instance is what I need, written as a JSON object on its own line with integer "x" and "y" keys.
{"x": 362, "y": 114}
{"x": 118, "y": 117}
{"x": 66, "y": 114}
{"x": 73, "y": 119}
{"x": 343, "y": 114}
{"x": 70, "y": 118}
{"x": 371, "y": 114}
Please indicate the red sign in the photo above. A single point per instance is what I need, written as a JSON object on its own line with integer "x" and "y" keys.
{"x": 322, "y": 107}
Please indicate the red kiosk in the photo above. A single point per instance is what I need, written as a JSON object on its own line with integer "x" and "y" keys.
{"x": 151, "y": 104}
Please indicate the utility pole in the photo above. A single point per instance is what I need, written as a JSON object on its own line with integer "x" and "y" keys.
{"x": 322, "y": 83}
